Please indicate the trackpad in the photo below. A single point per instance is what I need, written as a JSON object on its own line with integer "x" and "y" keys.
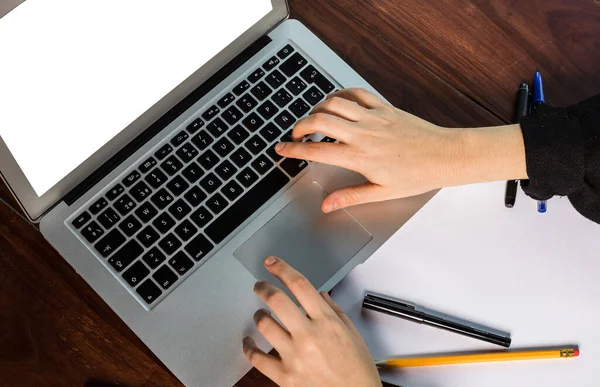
{"x": 316, "y": 244}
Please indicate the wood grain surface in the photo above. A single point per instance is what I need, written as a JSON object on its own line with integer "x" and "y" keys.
{"x": 453, "y": 62}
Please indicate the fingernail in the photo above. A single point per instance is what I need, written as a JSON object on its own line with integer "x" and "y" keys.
{"x": 270, "y": 261}
{"x": 279, "y": 146}
{"x": 331, "y": 207}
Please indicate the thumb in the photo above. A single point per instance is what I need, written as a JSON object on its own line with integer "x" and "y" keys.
{"x": 352, "y": 196}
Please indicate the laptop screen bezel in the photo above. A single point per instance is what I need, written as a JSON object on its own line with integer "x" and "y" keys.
{"x": 35, "y": 206}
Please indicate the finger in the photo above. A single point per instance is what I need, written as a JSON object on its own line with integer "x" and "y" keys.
{"x": 321, "y": 152}
{"x": 326, "y": 124}
{"x": 352, "y": 196}
{"x": 362, "y": 97}
{"x": 299, "y": 285}
{"x": 340, "y": 313}
{"x": 279, "y": 338}
{"x": 265, "y": 363}
{"x": 288, "y": 313}
{"x": 343, "y": 108}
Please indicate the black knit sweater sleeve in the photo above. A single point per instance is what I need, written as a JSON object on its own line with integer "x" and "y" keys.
{"x": 562, "y": 149}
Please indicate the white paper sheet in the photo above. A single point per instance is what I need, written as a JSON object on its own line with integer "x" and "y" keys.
{"x": 464, "y": 254}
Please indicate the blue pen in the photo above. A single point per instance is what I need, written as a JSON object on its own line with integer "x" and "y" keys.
{"x": 538, "y": 98}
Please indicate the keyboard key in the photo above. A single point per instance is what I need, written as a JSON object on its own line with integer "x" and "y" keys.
{"x": 232, "y": 115}
{"x": 81, "y": 220}
{"x": 313, "y": 96}
{"x": 226, "y": 100}
{"x": 187, "y": 153}
{"x": 247, "y": 177}
{"x": 328, "y": 139}
{"x": 246, "y": 103}
{"x": 271, "y": 63}
{"x": 172, "y": 165}
{"x": 285, "y": 120}
{"x": 110, "y": 243}
{"x": 199, "y": 247}
{"x": 261, "y": 91}
{"x": 148, "y": 291}
{"x": 201, "y": 217}
{"x": 195, "y": 196}
{"x": 108, "y": 218}
{"x": 126, "y": 255}
{"x": 115, "y": 191}
{"x": 179, "y": 139}
{"x": 256, "y": 145}
{"x": 223, "y": 147}
{"x": 161, "y": 199}
{"x": 273, "y": 154}
{"x": 208, "y": 160}
{"x": 130, "y": 226}
{"x": 262, "y": 164}
{"x": 293, "y": 65}
{"x": 285, "y": 52}
{"x": 98, "y": 206}
{"x": 296, "y": 86}
{"x": 146, "y": 212}
{"x": 225, "y": 170}
{"x": 238, "y": 134}
{"x": 232, "y": 190}
{"x": 125, "y": 204}
{"x": 217, "y": 127}
{"x": 241, "y": 157}
{"x": 169, "y": 244}
{"x": 202, "y": 140}
{"x": 147, "y": 165}
{"x": 163, "y": 223}
{"x": 92, "y": 232}
{"x": 164, "y": 151}
{"x": 324, "y": 84}
{"x": 293, "y": 166}
{"x": 148, "y": 236}
{"x": 217, "y": 203}
{"x": 154, "y": 257}
{"x": 192, "y": 172}
{"x": 270, "y": 132}
{"x": 299, "y": 108}
{"x": 156, "y": 178}
{"x": 165, "y": 277}
{"x": 253, "y": 122}
{"x": 177, "y": 186}
{"x": 140, "y": 191}
{"x": 310, "y": 74}
{"x": 211, "y": 113}
{"x": 186, "y": 230}
{"x": 256, "y": 75}
{"x": 282, "y": 98}
{"x": 195, "y": 126}
{"x": 136, "y": 273}
{"x": 241, "y": 88}
{"x": 181, "y": 263}
{"x": 247, "y": 205}
{"x": 131, "y": 178}
{"x": 179, "y": 209}
{"x": 275, "y": 79}
{"x": 267, "y": 110}
{"x": 210, "y": 183}
{"x": 287, "y": 136}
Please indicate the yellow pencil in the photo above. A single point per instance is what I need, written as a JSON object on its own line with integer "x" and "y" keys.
{"x": 478, "y": 358}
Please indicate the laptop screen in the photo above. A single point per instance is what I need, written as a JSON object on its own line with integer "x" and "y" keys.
{"x": 75, "y": 73}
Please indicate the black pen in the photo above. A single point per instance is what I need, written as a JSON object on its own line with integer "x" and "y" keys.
{"x": 522, "y": 108}
{"x": 410, "y": 312}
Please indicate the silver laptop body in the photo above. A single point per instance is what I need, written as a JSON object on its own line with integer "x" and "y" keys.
{"x": 194, "y": 314}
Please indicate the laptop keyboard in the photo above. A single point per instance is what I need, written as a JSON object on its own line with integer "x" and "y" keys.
{"x": 166, "y": 216}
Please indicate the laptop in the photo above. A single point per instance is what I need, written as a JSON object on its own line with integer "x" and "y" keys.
{"x": 140, "y": 136}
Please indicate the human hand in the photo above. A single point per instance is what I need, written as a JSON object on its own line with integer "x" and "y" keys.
{"x": 400, "y": 154}
{"x": 322, "y": 348}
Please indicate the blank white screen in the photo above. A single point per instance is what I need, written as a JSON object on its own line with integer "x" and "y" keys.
{"x": 74, "y": 73}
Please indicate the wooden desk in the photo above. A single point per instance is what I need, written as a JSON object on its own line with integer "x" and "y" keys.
{"x": 454, "y": 62}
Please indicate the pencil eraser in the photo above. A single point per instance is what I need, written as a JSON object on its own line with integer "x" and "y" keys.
{"x": 575, "y": 352}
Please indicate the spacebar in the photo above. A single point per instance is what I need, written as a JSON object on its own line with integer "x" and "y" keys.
{"x": 241, "y": 210}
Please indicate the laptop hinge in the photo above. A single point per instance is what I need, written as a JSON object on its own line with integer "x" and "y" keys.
{"x": 165, "y": 120}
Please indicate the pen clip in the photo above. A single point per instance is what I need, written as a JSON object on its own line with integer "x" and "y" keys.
{"x": 390, "y": 301}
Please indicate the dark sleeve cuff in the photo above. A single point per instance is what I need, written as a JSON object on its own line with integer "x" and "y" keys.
{"x": 554, "y": 152}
